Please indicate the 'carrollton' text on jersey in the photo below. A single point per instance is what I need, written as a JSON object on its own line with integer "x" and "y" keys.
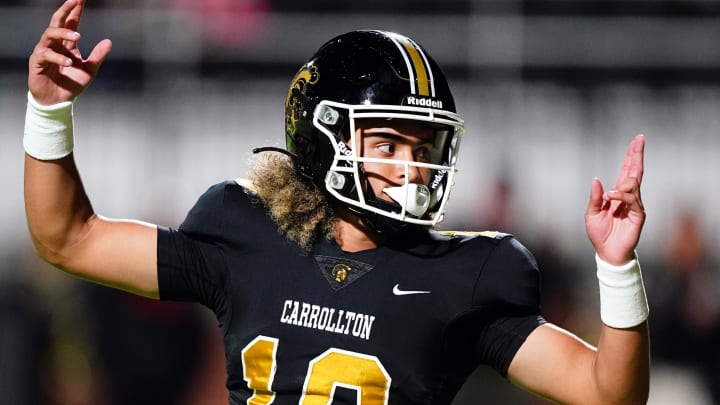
{"x": 327, "y": 319}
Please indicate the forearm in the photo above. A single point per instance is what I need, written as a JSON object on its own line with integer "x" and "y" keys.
{"x": 56, "y": 205}
{"x": 57, "y": 208}
{"x": 622, "y": 365}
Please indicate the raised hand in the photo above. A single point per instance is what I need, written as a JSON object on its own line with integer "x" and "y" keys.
{"x": 614, "y": 219}
{"x": 57, "y": 71}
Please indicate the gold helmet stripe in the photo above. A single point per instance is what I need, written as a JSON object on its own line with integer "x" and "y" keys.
{"x": 417, "y": 65}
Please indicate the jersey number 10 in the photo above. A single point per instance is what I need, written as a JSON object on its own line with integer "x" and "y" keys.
{"x": 333, "y": 368}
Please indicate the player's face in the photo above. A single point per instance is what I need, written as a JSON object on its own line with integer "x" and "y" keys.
{"x": 397, "y": 140}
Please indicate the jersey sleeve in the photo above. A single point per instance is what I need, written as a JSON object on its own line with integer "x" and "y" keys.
{"x": 509, "y": 288}
{"x": 188, "y": 270}
{"x": 191, "y": 265}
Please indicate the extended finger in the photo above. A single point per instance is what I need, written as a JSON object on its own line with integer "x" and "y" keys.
{"x": 60, "y": 15}
{"x": 73, "y": 19}
{"x": 633, "y": 163}
{"x": 637, "y": 157}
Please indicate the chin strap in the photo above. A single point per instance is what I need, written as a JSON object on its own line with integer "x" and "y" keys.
{"x": 292, "y": 156}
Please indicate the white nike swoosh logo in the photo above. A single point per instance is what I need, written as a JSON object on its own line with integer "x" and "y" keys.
{"x": 398, "y": 291}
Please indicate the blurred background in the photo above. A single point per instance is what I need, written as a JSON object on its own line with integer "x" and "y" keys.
{"x": 552, "y": 92}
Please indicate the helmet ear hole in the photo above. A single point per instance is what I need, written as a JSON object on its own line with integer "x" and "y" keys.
{"x": 336, "y": 180}
{"x": 341, "y": 183}
{"x": 328, "y": 115}
{"x": 333, "y": 121}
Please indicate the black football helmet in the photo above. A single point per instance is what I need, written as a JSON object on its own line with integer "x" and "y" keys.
{"x": 372, "y": 74}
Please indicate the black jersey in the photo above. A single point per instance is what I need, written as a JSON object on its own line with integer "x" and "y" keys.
{"x": 404, "y": 323}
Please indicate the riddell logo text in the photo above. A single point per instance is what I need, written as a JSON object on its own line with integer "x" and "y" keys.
{"x": 344, "y": 149}
{"x": 424, "y": 102}
{"x": 437, "y": 179}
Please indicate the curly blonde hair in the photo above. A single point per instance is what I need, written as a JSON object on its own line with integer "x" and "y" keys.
{"x": 301, "y": 211}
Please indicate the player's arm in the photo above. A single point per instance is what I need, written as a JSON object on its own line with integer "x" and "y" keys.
{"x": 65, "y": 230}
{"x": 555, "y": 364}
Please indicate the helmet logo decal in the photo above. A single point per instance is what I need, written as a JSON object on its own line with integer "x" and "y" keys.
{"x": 307, "y": 76}
{"x": 417, "y": 66}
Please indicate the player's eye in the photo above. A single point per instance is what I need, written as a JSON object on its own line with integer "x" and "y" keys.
{"x": 387, "y": 148}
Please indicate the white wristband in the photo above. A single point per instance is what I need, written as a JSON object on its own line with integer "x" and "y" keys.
{"x": 623, "y": 303}
{"x": 48, "y": 129}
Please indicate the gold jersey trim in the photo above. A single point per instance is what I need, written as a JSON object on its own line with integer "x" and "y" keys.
{"x": 487, "y": 234}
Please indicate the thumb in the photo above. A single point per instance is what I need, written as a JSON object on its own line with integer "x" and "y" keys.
{"x": 596, "y": 197}
{"x": 98, "y": 55}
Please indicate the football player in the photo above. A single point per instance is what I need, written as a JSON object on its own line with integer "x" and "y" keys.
{"x": 323, "y": 268}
